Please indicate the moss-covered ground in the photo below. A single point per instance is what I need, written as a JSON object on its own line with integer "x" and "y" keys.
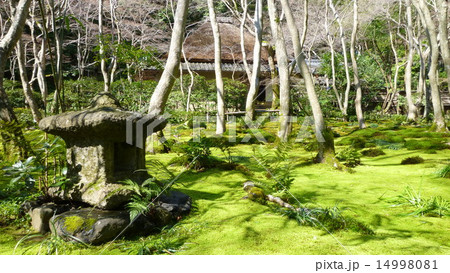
{"x": 222, "y": 222}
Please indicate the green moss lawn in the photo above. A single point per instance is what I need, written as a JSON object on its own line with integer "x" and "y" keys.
{"x": 222, "y": 222}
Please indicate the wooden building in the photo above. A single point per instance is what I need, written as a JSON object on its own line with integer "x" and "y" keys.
{"x": 199, "y": 57}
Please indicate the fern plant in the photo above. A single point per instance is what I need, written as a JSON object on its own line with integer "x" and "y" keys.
{"x": 278, "y": 165}
{"x": 142, "y": 196}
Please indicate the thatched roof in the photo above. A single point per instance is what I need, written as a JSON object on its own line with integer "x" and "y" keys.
{"x": 199, "y": 46}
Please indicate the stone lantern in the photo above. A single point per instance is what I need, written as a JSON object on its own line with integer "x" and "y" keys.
{"x": 98, "y": 154}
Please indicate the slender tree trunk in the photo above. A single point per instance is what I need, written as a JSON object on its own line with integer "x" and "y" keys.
{"x": 344, "y": 53}
{"x": 19, "y": 11}
{"x": 39, "y": 57}
{"x": 421, "y": 85}
{"x": 27, "y": 90}
{"x": 220, "y": 125}
{"x": 358, "y": 106}
{"x": 103, "y": 65}
{"x": 7, "y": 44}
{"x": 162, "y": 90}
{"x": 412, "y": 109}
{"x": 397, "y": 70}
{"x": 323, "y": 136}
{"x": 273, "y": 76}
{"x": 330, "y": 41}
{"x": 254, "y": 83}
{"x": 305, "y": 23}
{"x": 39, "y": 67}
{"x": 115, "y": 24}
{"x": 283, "y": 68}
{"x": 439, "y": 120}
{"x": 191, "y": 84}
{"x": 58, "y": 97}
{"x": 442, "y": 8}
{"x": 244, "y": 5}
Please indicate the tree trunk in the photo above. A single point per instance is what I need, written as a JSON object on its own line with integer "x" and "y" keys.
{"x": 103, "y": 66}
{"x": 220, "y": 125}
{"x": 27, "y": 90}
{"x": 273, "y": 77}
{"x": 19, "y": 11}
{"x": 254, "y": 83}
{"x": 330, "y": 41}
{"x": 442, "y": 8}
{"x": 58, "y": 97}
{"x": 305, "y": 23}
{"x": 162, "y": 90}
{"x": 191, "y": 84}
{"x": 283, "y": 68}
{"x": 358, "y": 106}
{"x": 397, "y": 70}
{"x": 439, "y": 120}
{"x": 241, "y": 32}
{"x": 39, "y": 58}
{"x": 344, "y": 53}
{"x": 7, "y": 44}
{"x": 326, "y": 143}
{"x": 412, "y": 109}
{"x": 421, "y": 85}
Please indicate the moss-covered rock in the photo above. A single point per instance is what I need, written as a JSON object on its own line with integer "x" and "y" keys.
{"x": 75, "y": 223}
{"x": 256, "y": 194}
{"x": 91, "y": 226}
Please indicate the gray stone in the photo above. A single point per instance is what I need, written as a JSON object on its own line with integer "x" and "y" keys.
{"x": 177, "y": 203}
{"x": 40, "y": 215}
{"x": 40, "y": 219}
{"x": 98, "y": 155}
{"x": 91, "y": 226}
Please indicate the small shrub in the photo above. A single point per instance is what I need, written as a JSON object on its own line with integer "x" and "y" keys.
{"x": 373, "y": 152}
{"x": 10, "y": 213}
{"x": 350, "y": 157}
{"x": 412, "y": 160}
{"x": 195, "y": 155}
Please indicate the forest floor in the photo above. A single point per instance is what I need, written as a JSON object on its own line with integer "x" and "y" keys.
{"x": 222, "y": 222}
